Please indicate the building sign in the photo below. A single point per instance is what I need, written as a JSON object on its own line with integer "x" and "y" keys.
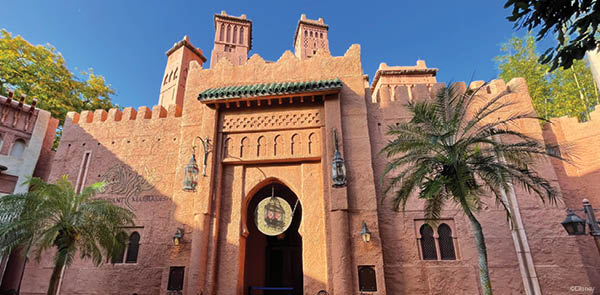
{"x": 126, "y": 185}
{"x": 273, "y": 216}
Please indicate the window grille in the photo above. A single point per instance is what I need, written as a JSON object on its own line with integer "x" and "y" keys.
{"x": 367, "y": 279}
{"x": 446, "y": 242}
{"x": 133, "y": 248}
{"x": 176, "y": 278}
{"x": 427, "y": 243}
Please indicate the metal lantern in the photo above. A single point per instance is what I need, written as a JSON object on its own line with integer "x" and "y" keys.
{"x": 190, "y": 180}
{"x": 338, "y": 168}
{"x": 178, "y": 236}
{"x": 365, "y": 233}
{"x": 573, "y": 224}
{"x": 274, "y": 213}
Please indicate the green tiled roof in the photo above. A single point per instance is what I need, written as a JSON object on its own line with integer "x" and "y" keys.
{"x": 268, "y": 89}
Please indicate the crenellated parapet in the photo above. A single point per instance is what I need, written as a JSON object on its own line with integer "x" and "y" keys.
{"x": 106, "y": 127}
{"x": 15, "y": 114}
{"x": 127, "y": 114}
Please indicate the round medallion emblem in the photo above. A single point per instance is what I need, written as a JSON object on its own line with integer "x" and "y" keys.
{"x": 273, "y": 216}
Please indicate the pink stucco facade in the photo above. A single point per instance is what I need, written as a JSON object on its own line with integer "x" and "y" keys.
{"x": 285, "y": 141}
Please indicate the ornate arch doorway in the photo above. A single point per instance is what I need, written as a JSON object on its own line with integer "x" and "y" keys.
{"x": 273, "y": 261}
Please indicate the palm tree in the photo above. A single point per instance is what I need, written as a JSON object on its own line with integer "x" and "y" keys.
{"x": 56, "y": 216}
{"x": 461, "y": 147}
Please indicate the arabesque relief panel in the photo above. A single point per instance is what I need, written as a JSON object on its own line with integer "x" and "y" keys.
{"x": 274, "y": 134}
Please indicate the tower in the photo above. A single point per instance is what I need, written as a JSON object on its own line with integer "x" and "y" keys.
{"x": 178, "y": 60}
{"x": 233, "y": 39}
{"x": 311, "y": 35}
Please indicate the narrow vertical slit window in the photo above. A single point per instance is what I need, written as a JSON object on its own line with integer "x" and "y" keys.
{"x": 83, "y": 171}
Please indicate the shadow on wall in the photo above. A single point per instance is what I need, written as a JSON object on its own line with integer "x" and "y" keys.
{"x": 576, "y": 187}
{"x": 140, "y": 174}
{"x": 140, "y": 169}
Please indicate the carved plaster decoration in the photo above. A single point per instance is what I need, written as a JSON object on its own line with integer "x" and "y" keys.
{"x": 123, "y": 180}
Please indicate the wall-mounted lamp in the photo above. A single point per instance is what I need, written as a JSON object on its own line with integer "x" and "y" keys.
{"x": 365, "y": 233}
{"x": 338, "y": 168}
{"x": 190, "y": 180}
{"x": 178, "y": 236}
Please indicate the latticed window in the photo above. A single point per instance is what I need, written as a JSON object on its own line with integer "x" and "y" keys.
{"x": 133, "y": 248}
{"x": 436, "y": 243}
{"x": 427, "y": 243}
{"x": 446, "y": 242}
{"x": 176, "y": 274}
{"x": 367, "y": 280}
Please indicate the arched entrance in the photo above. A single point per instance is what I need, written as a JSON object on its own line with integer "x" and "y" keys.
{"x": 273, "y": 261}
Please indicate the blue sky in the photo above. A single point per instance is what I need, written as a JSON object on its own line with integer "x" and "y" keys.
{"x": 126, "y": 41}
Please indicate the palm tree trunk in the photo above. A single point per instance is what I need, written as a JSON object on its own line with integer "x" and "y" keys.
{"x": 484, "y": 275}
{"x": 56, "y": 274}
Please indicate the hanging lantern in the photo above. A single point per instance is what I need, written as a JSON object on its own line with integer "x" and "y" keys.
{"x": 573, "y": 224}
{"x": 178, "y": 236}
{"x": 190, "y": 180}
{"x": 338, "y": 168}
{"x": 274, "y": 213}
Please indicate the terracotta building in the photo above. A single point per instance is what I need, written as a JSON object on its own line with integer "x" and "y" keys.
{"x": 272, "y": 206}
{"x": 26, "y": 138}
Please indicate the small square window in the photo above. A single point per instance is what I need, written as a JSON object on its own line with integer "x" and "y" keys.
{"x": 367, "y": 280}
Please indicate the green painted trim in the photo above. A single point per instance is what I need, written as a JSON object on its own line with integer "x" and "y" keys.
{"x": 268, "y": 89}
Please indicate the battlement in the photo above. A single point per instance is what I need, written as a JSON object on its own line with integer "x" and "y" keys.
{"x": 288, "y": 68}
{"x": 16, "y": 114}
{"x": 387, "y": 94}
{"x": 569, "y": 129}
{"x": 127, "y": 114}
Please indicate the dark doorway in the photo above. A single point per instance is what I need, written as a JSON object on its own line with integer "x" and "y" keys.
{"x": 274, "y": 261}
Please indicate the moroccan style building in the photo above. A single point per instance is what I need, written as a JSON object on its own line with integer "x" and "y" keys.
{"x": 272, "y": 206}
{"x": 26, "y": 138}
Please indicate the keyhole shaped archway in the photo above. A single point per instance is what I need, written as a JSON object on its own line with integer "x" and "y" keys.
{"x": 272, "y": 261}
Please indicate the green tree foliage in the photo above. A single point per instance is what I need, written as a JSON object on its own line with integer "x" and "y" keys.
{"x": 570, "y": 92}
{"x": 55, "y": 216}
{"x": 40, "y": 72}
{"x": 573, "y": 22}
{"x": 446, "y": 154}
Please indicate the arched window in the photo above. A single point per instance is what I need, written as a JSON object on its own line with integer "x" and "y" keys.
{"x": 311, "y": 34}
{"x": 427, "y": 243}
{"x": 235, "y": 34}
{"x": 242, "y": 35}
{"x": 446, "y": 242}
{"x": 166, "y": 77}
{"x": 227, "y": 147}
{"x": 260, "y": 146}
{"x": 321, "y": 35}
{"x": 243, "y": 146}
{"x": 277, "y": 145}
{"x": 228, "y": 33}
{"x": 133, "y": 248}
{"x": 18, "y": 148}
{"x": 305, "y": 33}
{"x": 222, "y": 32}
{"x": 294, "y": 144}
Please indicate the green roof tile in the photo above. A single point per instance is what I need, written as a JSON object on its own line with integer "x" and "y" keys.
{"x": 267, "y": 89}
